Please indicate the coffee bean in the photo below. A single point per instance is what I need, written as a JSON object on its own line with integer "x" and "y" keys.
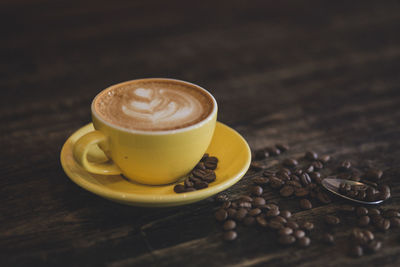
{"x": 361, "y": 211}
{"x": 245, "y": 204}
{"x": 221, "y": 215}
{"x": 356, "y": 251}
{"x": 279, "y": 219}
{"x": 347, "y": 208}
{"x": 285, "y": 231}
{"x": 270, "y": 206}
{"x": 286, "y": 191}
{"x": 298, "y": 172}
{"x": 245, "y": 198}
{"x": 257, "y": 190}
{"x": 383, "y": 225}
{"x": 275, "y": 182}
{"x": 332, "y": 220}
{"x": 309, "y": 169}
{"x": 371, "y": 192}
{"x": 261, "y": 221}
{"x": 292, "y": 224}
{"x": 283, "y": 172}
{"x": 309, "y": 226}
{"x": 305, "y": 204}
{"x": 301, "y": 192}
{"x": 259, "y": 201}
{"x": 241, "y": 214}
{"x": 272, "y": 213}
{"x": 230, "y": 236}
{"x": 376, "y": 219}
{"x": 231, "y": 212}
{"x": 209, "y": 177}
{"x": 254, "y": 212}
{"x": 315, "y": 175}
{"x": 295, "y": 184}
{"x": 200, "y": 185}
{"x": 323, "y": 197}
{"x": 299, "y": 234}
{"x": 391, "y": 213}
{"x": 373, "y": 174}
{"x": 311, "y": 155}
{"x": 286, "y": 214}
{"x": 188, "y": 183}
{"x": 257, "y": 166}
{"x": 373, "y": 246}
{"x": 328, "y": 238}
{"x": 275, "y": 225}
{"x": 304, "y": 241}
{"x": 229, "y": 225}
{"x": 179, "y": 188}
{"x": 226, "y": 204}
{"x": 395, "y": 222}
{"x": 290, "y": 163}
{"x": 305, "y": 179}
{"x": 325, "y": 158}
{"x": 370, "y": 183}
{"x": 261, "y": 154}
{"x": 345, "y": 165}
{"x": 260, "y": 180}
{"x": 318, "y": 165}
{"x": 211, "y": 163}
{"x": 274, "y": 151}
{"x": 373, "y": 211}
{"x": 282, "y": 147}
{"x": 363, "y": 221}
{"x": 268, "y": 173}
{"x": 286, "y": 239}
{"x": 358, "y": 237}
{"x": 248, "y": 221}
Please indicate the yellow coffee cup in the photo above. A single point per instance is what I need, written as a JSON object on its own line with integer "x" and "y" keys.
{"x": 147, "y": 157}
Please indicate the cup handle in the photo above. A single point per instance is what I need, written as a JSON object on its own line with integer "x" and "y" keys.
{"x": 81, "y": 149}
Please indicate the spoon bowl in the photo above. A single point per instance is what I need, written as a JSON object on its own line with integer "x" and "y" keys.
{"x": 332, "y": 185}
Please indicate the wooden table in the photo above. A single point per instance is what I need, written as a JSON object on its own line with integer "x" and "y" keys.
{"x": 321, "y": 75}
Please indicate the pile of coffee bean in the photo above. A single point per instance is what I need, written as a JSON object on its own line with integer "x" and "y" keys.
{"x": 300, "y": 178}
{"x": 364, "y": 192}
{"x": 201, "y": 175}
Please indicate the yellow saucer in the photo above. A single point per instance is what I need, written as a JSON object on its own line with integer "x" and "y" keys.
{"x": 229, "y": 146}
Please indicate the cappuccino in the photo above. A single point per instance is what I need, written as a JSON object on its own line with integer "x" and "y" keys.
{"x": 153, "y": 104}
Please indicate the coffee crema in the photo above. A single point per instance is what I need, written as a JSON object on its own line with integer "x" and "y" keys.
{"x": 153, "y": 105}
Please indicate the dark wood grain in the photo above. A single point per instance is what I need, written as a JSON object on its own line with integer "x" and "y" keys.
{"x": 322, "y": 75}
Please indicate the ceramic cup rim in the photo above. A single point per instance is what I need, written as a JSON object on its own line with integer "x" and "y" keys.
{"x": 158, "y": 132}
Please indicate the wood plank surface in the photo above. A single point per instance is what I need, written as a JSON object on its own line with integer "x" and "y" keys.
{"x": 320, "y": 75}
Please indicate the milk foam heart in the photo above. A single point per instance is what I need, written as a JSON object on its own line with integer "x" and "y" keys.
{"x": 153, "y": 105}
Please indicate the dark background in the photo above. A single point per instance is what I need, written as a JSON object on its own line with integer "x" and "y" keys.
{"x": 322, "y": 75}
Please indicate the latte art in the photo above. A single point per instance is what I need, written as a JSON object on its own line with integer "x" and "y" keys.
{"x": 153, "y": 106}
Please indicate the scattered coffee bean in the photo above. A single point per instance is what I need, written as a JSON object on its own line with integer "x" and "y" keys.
{"x": 257, "y": 190}
{"x": 222, "y": 198}
{"x": 275, "y": 225}
{"x": 309, "y": 169}
{"x": 261, "y": 221}
{"x": 325, "y": 158}
{"x": 395, "y": 222}
{"x": 299, "y": 234}
{"x": 308, "y": 226}
{"x": 304, "y": 241}
{"x": 226, "y": 204}
{"x": 231, "y": 212}
{"x": 230, "y": 235}
{"x": 373, "y": 211}
{"x": 248, "y": 221}
{"x": 279, "y": 219}
{"x": 361, "y": 211}
{"x": 254, "y": 212}
{"x": 305, "y": 204}
{"x": 373, "y": 246}
{"x": 290, "y": 163}
{"x": 301, "y": 192}
{"x": 347, "y": 208}
{"x": 286, "y": 191}
{"x": 221, "y": 215}
{"x": 229, "y": 225}
{"x": 345, "y": 165}
{"x": 261, "y": 154}
{"x": 286, "y": 214}
{"x": 305, "y": 179}
{"x": 363, "y": 221}
{"x": 373, "y": 174}
{"x": 311, "y": 155}
{"x": 260, "y": 180}
{"x": 257, "y": 166}
{"x": 272, "y": 213}
{"x": 274, "y": 151}
{"x": 391, "y": 213}
{"x": 259, "y": 201}
{"x": 292, "y": 224}
{"x": 318, "y": 165}
{"x": 286, "y": 231}
{"x": 275, "y": 182}
{"x": 356, "y": 251}
{"x": 323, "y": 197}
{"x": 245, "y": 198}
{"x": 383, "y": 225}
{"x": 332, "y": 220}
{"x": 245, "y": 204}
{"x": 286, "y": 239}
{"x": 282, "y": 147}
{"x": 328, "y": 238}
{"x": 241, "y": 214}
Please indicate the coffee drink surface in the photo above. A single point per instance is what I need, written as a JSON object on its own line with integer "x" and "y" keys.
{"x": 153, "y": 105}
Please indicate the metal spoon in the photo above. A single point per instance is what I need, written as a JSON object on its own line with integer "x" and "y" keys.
{"x": 332, "y": 184}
